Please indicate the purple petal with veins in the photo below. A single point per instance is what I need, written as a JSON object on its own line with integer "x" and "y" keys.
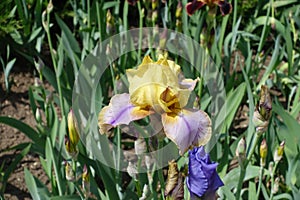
{"x": 190, "y": 127}
{"x": 119, "y": 111}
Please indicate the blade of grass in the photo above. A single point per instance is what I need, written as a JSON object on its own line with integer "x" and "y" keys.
{"x": 56, "y": 166}
{"x": 36, "y": 188}
{"x": 273, "y": 63}
{"x": 233, "y": 101}
{"x": 13, "y": 166}
{"x": 24, "y": 128}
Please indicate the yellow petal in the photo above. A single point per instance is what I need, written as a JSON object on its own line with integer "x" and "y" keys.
{"x": 152, "y": 80}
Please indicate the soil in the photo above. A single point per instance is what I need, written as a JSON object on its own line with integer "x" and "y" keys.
{"x": 16, "y": 105}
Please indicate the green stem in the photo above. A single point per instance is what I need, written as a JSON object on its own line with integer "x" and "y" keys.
{"x": 263, "y": 35}
{"x": 256, "y": 138}
{"x": 261, "y": 171}
{"x": 240, "y": 183}
{"x": 153, "y": 191}
{"x": 150, "y": 44}
{"x": 140, "y": 31}
{"x": 125, "y": 16}
{"x": 137, "y": 182}
{"x": 138, "y": 188}
{"x": 200, "y": 88}
{"x": 235, "y": 8}
{"x": 160, "y": 172}
{"x": 98, "y": 20}
{"x": 89, "y": 13}
{"x": 55, "y": 65}
{"x": 56, "y": 171}
{"x": 245, "y": 164}
{"x": 118, "y": 164}
{"x": 272, "y": 180}
{"x": 74, "y": 168}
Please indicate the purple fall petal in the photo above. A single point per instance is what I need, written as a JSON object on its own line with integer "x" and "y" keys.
{"x": 187, "y": 128}
{"x": 119, "y": 111}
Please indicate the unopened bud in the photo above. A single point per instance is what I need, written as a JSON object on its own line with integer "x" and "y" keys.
{"x": 39, "y": 64}
{"x": 50, "y": 6}
{"x": 70, "y": 148}
{"x": 38, "y": 115}
{"x": 69, "y": 172}
{"x": 271, "y": 167}
{"x": 86, "y": 181}
{"x": 132, "y": 171}
{"x": 240, "y": 151}
{"x": 263, "y": 150}
{"x": 154, "y": 16}
{"x": 178, "y": 10}
{"x": 110, "y": 24}
{"x": 265, "y": 103}
{"x": 179, "y": 25}
{"x": 140, "y": 146}
{"x": 44, "y": 21}
{"x": 259, "y": 122}
{"x": 273, "y": 23}
{"x": 279, "y": 152}
{"x": 37, "y": 82}
{"x": 276, "y": 185}
{"x": 154, "y": 4}
{"x": 263, "y": 111}
{"x": 196, "y": 103}
{"x": 73, "y": 128}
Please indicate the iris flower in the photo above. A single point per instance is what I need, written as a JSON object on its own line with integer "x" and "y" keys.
{"x": 224, "y": 6}
{"x": 158, "y": 87}
{"x": 203, "y": 180}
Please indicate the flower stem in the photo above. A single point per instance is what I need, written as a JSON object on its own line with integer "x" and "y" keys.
{"x": 261, "y": 171}
{"x": 245, "y": 164}
{"x": 74, "y": 168}
{"x": 55, "y": 65}
{"x": 140, "y": 31}
{"x": 99, "y": 16}
{"x": 160, "y": 172}
{"x": 137, "y": 182}
{"x": 272, "y": 180}
{"x": 240, "y": 183}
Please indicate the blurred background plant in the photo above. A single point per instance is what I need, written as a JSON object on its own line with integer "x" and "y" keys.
{"x": 256, "y": 45}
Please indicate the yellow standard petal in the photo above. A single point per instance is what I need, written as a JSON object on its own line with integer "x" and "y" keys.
{"x": 152, "y": 81}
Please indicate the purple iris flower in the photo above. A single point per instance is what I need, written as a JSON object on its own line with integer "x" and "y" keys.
{"x": 203, "y": 179}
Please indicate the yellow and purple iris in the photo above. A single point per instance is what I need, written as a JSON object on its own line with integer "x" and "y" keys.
{"x": 224, "y": 6}
{"x": 203, "y": 179}
{"x": 159, "y": 87}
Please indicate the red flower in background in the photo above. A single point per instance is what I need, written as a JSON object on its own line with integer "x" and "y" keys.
{"x": 195, "y": 5}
